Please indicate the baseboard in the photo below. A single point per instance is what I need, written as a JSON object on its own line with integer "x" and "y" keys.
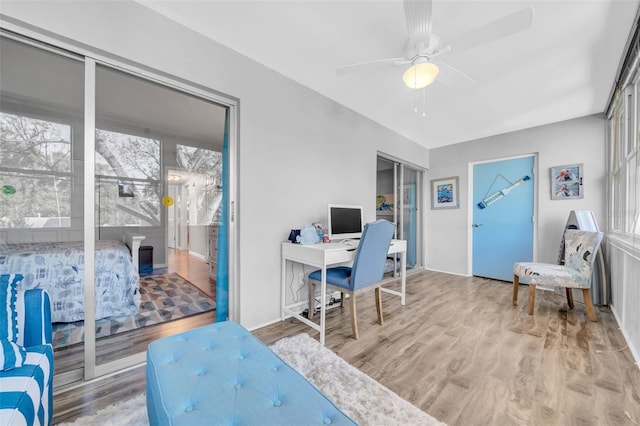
{"x": 198, "y": 255}
{"x": 627, "y": 338}
{"x": 266, "y": 324}
{"x": 301, "y": 306}
{"x": 447, "y": 272}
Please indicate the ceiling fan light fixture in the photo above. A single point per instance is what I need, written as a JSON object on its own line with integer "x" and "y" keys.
{"x": 420, "y": 75}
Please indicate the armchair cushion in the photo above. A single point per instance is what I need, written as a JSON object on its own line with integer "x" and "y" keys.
{"x": 550, "y": 274}
{"x": 580, "y": 250}
{"x": 12, "y": 355}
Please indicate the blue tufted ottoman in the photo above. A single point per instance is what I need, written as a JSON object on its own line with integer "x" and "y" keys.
{"x": 221, "y": 374}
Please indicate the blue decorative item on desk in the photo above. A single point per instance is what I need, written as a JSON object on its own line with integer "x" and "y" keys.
{"x": 308, "y": 235}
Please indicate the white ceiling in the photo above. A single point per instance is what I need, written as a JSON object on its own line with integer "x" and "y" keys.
{"x": 561, "y": 68}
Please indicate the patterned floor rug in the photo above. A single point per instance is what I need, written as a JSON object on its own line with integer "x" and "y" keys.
{"x": 165, "y": 297}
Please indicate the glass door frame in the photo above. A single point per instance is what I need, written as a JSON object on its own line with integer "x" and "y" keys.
{"x": 399, "y": 167}
{"x": 43, "y": 40}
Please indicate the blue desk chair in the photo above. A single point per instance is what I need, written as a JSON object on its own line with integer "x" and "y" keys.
{"x": 367, "y": 270}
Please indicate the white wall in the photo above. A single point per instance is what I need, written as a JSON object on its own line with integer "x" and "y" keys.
{"x": 298, "y": 150}
{"x": 580, "y": 140}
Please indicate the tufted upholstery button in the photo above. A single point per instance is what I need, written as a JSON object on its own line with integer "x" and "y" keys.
{"x": 200, "y": 387}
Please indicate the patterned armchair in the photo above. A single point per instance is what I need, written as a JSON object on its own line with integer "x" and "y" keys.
{"x": 580, "y": 253}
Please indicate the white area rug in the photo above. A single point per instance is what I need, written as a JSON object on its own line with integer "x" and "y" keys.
{"x": 363, "y": 399}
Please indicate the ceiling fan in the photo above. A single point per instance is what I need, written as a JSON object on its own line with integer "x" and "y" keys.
{"x": 423, "y": 47}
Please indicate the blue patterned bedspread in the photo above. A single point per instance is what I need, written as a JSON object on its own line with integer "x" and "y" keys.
{"x": 59, "y": 268}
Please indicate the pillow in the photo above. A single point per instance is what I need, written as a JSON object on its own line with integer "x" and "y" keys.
{"x": 12, "y": 356}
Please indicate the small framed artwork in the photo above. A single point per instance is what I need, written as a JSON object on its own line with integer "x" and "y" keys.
{"x": 125, "y": 189}
{"x": 566, "y": 182}
{"x": 444, "y": 193}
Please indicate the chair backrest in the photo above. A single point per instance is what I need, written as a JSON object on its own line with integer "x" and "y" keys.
{"x": 371, "y": 255}
{"x": 580, "y": 250}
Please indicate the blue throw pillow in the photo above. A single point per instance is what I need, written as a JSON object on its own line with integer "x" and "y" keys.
{"x": 12, "y": 356}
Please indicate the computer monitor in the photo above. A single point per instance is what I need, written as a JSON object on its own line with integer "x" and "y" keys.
{"x": 344, "y": 221}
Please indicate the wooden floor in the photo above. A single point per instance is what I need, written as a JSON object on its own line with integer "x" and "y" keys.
{"x": 461, "y": 351}
{"x": 190, "y": 267}
{"x": 193, "y": 268}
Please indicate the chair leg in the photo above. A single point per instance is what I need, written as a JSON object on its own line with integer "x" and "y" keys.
{"x": 591, "y": 313}
{"x": 311, "y": 288}
{"x": 532, "y": 297}
{"x": 379, "y": 304}
{"x": 341, "y": 299}
{"x": 516, "y": 281}
{"x": 570, "y": 298}
{"x": 354, "y": 319}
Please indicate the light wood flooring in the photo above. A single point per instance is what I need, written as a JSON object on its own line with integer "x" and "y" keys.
{"x": 461, "y": 351}
{"x": 193, "y": 268}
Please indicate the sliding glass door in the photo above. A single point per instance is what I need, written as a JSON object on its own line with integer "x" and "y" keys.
{"x": 112, "y": 190}
{"x": 399, "y": 199}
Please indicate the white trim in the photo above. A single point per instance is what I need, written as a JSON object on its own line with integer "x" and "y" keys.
{"x": 198, "y": 255}
{"x": 627, "y": 338}
{"x": 89, "y": 201}
{"x": 233, "y": 248}
{"x": 394, "y": 159}
{"x": 447, "y": 272}
{"x": 62, "y": 388}
{"x": 624, "y": 246}
{"x": 470, "y": 205}
{"x": 121, "y": 364}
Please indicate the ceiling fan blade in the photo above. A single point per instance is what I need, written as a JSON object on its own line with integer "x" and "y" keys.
{"x": 503, "y": 27}
{"x": 378, "y": 63}
{"x": 418, "y": 16}
{"x": 452, "y": 77}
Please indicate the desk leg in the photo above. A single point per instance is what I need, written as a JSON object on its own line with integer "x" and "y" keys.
{"x": 403, "y": 275}
{"x": 283, "y": 293}
{"x": 323, "y": 305}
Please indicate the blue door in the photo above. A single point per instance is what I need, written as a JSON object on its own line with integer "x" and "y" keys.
{"x": 502, "y": 216}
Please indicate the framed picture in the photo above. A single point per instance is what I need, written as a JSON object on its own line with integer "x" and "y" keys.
{"x": 566, "y": 182}
{"x": 125, "y": 189}
{"x": 444, "y": 193}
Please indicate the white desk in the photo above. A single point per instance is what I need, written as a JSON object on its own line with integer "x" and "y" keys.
{"x": 322, "y": 255}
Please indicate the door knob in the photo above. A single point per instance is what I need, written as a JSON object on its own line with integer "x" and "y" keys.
{"x": 475, "y": 225}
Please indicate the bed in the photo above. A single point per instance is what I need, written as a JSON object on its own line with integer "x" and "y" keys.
{"x": 58, "y": 267}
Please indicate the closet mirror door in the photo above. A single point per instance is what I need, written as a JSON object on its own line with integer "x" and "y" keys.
{"x": 399, "y": 199}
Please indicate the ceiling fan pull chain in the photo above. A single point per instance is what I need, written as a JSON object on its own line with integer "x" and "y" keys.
{"x": 415, "y": 101}
{"x": 424, "y": 102}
